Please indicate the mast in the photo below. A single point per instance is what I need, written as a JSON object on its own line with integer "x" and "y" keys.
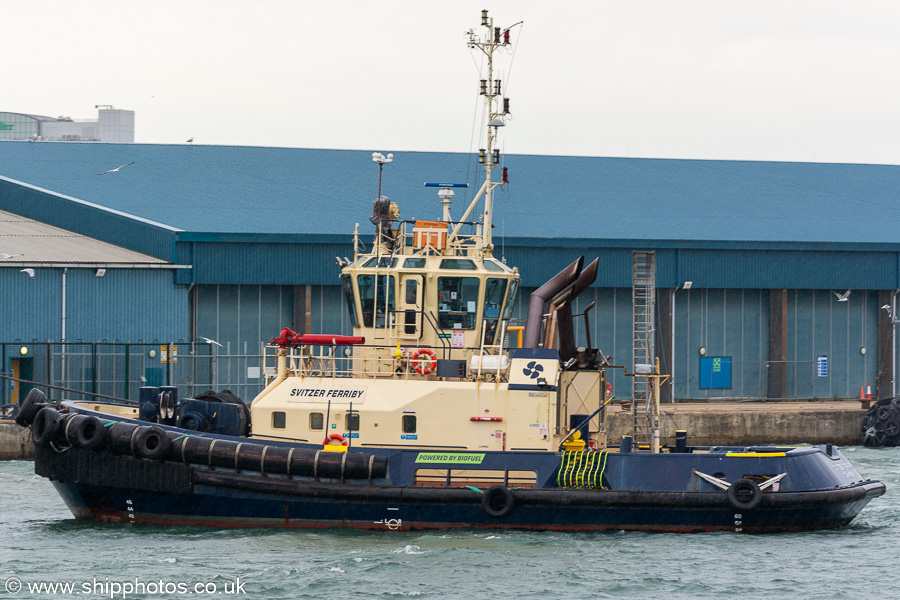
{"x": 492, "y": 90}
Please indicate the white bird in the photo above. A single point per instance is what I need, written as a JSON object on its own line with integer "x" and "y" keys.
{"x": 842, "y": 297}
{"x": 209, "y": 341}
{"x": 29, "y": 270}
{"x": 5, "y": 255}
{"x": 190, "y": 140}
{"x": 116, "y": 170}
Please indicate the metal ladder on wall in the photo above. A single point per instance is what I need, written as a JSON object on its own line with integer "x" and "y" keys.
{"x": 643, "y": 296}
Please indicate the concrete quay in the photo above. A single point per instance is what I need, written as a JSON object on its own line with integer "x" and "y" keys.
{"x": 752, "y": 423}
{"x": 15, "y": 442}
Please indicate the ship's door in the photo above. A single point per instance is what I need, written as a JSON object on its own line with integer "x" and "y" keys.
{"x": 411, "y": 293}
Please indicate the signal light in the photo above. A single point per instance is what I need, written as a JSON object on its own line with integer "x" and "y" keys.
{"x": 482, "y": 156}
{"x": 506, "y": 36}
{"x": 496, "y": 35}
{"x": 484, "y": 18}
{"x": 506, "y": 106}
{"x": 505, "y": 175}
{"x": 496, "y": 157}
{"x": 483, "y": 87}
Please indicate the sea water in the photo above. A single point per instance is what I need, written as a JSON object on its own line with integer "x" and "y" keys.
{"x": 42, "y": 545}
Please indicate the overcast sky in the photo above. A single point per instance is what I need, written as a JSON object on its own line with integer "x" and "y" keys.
{"x": 796, "y": 80}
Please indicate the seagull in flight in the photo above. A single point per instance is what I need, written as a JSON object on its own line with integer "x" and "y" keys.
{"x": 190, "y": 140}
{"x": 842, "y": 297}
{"x": 209, "y": 341}
{"x": 116, "y": 170}
{"x": 5, "y": 255}
{"x": 29, "y": 270}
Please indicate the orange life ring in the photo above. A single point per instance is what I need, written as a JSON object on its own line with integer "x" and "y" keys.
{"x": 608, "y": 389}
{"x": 335, "y": 437}
{"x": 427, "y": 363}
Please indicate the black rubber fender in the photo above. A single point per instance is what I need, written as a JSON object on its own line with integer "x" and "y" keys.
{"x": 193, "y": 421}
{"x": 45, "y": 426}
{"x": 30, "y": 407}
{"x": 498, "y": 501}
{"x": 744, "y": 494}
{"x": 873, "y": 437}
{"x": 9, "y": 411}
{"x": 90, "y": 433}
{"x": 151, "y": 443}
{"x": 895, "y": 404}
{"x": 870, "y": 420}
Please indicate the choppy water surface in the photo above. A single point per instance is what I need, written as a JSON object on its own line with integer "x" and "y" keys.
{"x": 41, "y": 542}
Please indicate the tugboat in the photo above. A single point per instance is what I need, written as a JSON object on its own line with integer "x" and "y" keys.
{"x": 436, "y": 413}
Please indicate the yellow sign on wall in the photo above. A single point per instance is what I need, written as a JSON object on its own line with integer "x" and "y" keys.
{"x": 164, "y": 353}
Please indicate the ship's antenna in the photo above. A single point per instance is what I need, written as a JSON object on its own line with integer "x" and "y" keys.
{"x": 492, "y": 90}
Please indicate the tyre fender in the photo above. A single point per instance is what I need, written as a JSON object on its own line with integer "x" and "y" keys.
{"x": 30, "y": 407}
{"x": 151, "y": 443}
{"x": 44, "y": 426}
{"x": 90, "y": 433}
{"x": 744, "y": 494}
{"x": 498, "y": 501}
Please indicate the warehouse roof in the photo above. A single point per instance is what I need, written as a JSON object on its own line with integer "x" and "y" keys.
{"x": 28, "y": 242}
{"x": 207, "y": 191}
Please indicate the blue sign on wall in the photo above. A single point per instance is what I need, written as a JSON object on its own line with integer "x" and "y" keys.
{"x": 715, "y": 372}
{"x": 822, "y": 366}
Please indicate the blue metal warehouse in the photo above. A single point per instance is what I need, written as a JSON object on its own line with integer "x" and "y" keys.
{"x": 232, "y": 243}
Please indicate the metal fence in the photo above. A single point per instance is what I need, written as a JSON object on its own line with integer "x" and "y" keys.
{"x": 121, "y": 369}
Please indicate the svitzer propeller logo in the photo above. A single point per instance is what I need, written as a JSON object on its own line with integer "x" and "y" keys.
{"x": 533, "y": 370}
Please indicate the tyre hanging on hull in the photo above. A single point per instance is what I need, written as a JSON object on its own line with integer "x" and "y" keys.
{"x": 151, "y": 443}
{"x": 498, "y": 501}
{"x": 44, "y": 426}
{"x": 744, "y": 494}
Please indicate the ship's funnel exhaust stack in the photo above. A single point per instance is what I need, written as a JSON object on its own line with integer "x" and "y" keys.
{"x": 564, "y": 320}
{"x": 541, "y": 296}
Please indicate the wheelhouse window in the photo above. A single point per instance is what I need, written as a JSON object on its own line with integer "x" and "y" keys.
{"x": 494, "y": 292}
{"x": 414, "y": 263}
{"x": 510, "y": 299}
{"x": 383, "y": 261}
{"x": 376, "y": 296}
{"x": 491, "y": 264}
{"x": 347, "y": 286}
{"x": 458, "y": 264}
{"x": 457, "y": 302}
{"x": 278, "y": 420}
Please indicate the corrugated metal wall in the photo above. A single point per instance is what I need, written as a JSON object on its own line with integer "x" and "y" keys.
{"x": 123, "y": 305}
{"x": 819, "y": 325}
{"x": 241, "y": 316}
{"x": 267, "y": 263}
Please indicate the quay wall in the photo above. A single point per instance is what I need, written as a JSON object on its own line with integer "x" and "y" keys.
{"x": 15, "y": 442}
{"x": 752, "y": 424}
